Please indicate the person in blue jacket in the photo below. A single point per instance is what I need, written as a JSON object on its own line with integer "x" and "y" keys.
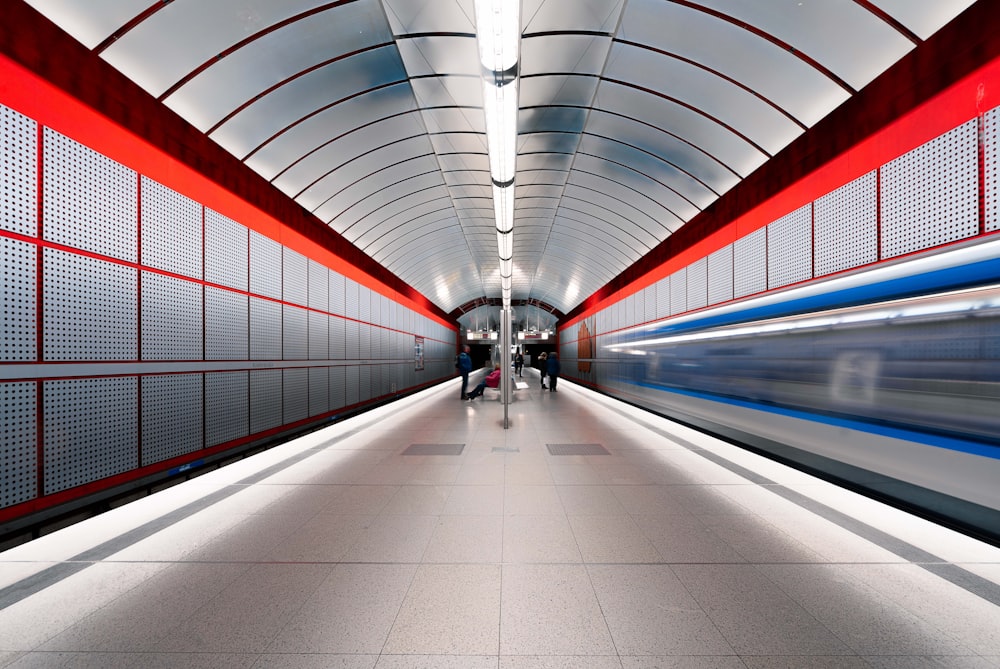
{"x": 464, "y": 365}
{"x": 552, "y": 369}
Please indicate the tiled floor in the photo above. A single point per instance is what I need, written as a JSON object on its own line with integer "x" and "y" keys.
{"x": 338, "y": 551}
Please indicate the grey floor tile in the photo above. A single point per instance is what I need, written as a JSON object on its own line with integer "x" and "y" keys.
{"x": 539, "y": 539}
{"x": 315, "y": 661}
{"x": 683, "y": 662}
{"x": 449, "y": 610}
{"x": 350, "y": 612}
{"x": 649, "y": 612}
{"x": 686, "y": 539}
{"x": 393, "y": 539}
{"x": 867, "y": 621}
{"x": 560, "y": 662}
{"x": 150, "y": 610}
{"x": 551, "y": 610}
{"x": 754, "y": 615}
{"x": 466, "y": 539}
{"x": 436, "y": 662}
{"x": 475, "y": 500}
{"x": 418, "y": 500}
{"x": 603, "y": 539}
{"x": 248, "y": 613}
{"x": 589, "y": 500}
{"x": 532, "y": 500}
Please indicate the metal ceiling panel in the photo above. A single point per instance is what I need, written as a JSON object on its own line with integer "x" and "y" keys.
{"x": 427, "y": 16}
{"x": 541, "y": 16}
{"x": 280, "y": 108}
{"x": 577, "y": 54}
{"x": 327, "y": 171}
{"x": 734, "y": 109}
{"x": 923, "y": 17}
{"x": 370, "y": 185}
{"x": 688, "y": 125}
{"x": 375, "y": 206}
{"x": 557, "y": 89}
{"x": 91, "y": 22}
{"x": 440, "y": 55}
{"x": 634, "y": 116}
{"x": 770, "y": 71}
{"x": 681, "y": 193}
{"x": 313, "y": 131}
{"x": 712, "y": 174}
{"x": 276, "y": 57}
{"x": 841, "y": 35}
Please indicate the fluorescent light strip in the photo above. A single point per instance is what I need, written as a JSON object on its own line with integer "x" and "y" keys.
{"x": 498, "y": 28}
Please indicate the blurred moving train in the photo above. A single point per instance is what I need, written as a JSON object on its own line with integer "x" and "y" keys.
{"x": 899, "y": 399}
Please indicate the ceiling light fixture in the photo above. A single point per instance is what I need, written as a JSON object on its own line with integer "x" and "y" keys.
{"x": 498, "y": 34}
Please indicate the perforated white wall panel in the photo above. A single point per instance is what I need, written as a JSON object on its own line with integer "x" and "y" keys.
{"x": 227, "y": 327}
{"x": 19, "y": 446}
{"x": 319, "y": 336}
{"x": 365, "y": 383}
{"x": 295, "y": 333}
{"x": 337, "y": 300}
{"x": 265, "y": 266}
{"x": 365, "y": 334}
{"x": 351, "y": 337}
{"x": 171, "y": 318}
{"x": 629, "y": 311}
{"x": 930, "y": 195}
{"x": 662, "y": 298}
{"x": 226, "y": 251}
{"x": 295, "y": 278}
{"x": 171, "y": 230}
{"x": 697, "y": 284}
{"x": 338, "y": 387}
{"x": 352, "y": 380}
{"x": 789, "y": 248}
{"x": 720, "y": 275}
{"x": 991, "y": 186}
{"x": 18, "y": 173}
{"x": 227, "y": 406}
{"x": 319, "y": 390}
{"x": 364, "y": 304}
{"x": 90, "y": 200}
{"x": 750, "y": 263}
{"x": 296, "y": 394}
{"x": 351, "y": 298}
{"x": 649, "y": 302}
{"x": 171, "y": 416}
{"x": 338, "y": 338}
{"x": 91, "y": 430}
{"x": 265, "y": 399}
{"x": 18, "y": 312}
{"x": 319, "y": 286}
{"x": 265, "y": 329}
{"x": 846, "y": 226}
{"x": 90, "y": 308}
{"x": 678, "y": 291}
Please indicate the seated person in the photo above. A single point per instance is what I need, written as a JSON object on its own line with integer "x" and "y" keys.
{"x": 492, "y": 380}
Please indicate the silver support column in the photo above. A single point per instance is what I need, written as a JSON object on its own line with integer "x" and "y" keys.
{"x": 505, "y": 380}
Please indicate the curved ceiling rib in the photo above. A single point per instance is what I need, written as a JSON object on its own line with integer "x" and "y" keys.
{"x": 635, "y": 116}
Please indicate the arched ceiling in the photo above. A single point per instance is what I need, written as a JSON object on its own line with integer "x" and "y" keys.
{"x": 635, "y": 115}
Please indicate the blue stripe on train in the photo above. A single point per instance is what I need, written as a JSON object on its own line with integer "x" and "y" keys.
{"x": 939, "y": 441}
{"x": 951, "y": 278}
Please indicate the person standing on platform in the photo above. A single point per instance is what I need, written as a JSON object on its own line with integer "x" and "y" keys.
{"x": 542, "y": 368}
{"x": 552, "y": 367}
{"x": 464, "y": 365}
{"x": 518, "y": 363}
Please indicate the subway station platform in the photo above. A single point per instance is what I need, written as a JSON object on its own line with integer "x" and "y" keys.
{"x": 588, "y": 535}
